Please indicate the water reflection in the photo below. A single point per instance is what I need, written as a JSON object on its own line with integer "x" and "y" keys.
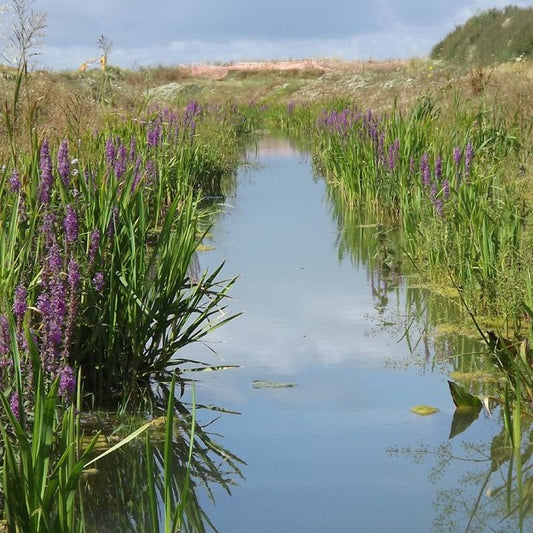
{"x": 495, "y": 492}
{"x": 116, "y": 496}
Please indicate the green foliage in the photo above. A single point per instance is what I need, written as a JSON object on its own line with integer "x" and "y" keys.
{"x": 42, "y": 460}
{"x": 493, "y": 36}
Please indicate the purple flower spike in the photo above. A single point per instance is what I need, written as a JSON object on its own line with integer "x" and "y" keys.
{"x": 110, "y": 151}
{"x": 74, "y": 276}
{"x": 120, "y": 163}
{"x": 20, "y": 304}
{"x": 70, "y": 224}
{"x": 457, "y": 156}
{"x": 438, "y": 169}
{"x": 4, "y": 336}
{"x": 14, "y": 181}
{"x": 67, "y": 381}
{"x": 14, "y": 404}
{"x": 47, "y": 179}
{"x": 93, "y": 245}
{"x": 63, "y": 163}
{"x": 98, "y": 281}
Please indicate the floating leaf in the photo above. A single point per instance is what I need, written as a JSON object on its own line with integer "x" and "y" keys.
{"x": 462, "y": 398}
{"x": 263, "y": 384}
{"x": 424, "y": 410}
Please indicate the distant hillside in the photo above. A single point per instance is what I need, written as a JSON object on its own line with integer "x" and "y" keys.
{"x": 494, "y": 36}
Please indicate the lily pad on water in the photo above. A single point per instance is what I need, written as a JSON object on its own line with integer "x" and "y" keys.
{"x": 265, "y": 384}
{"x": 424, "y": 410}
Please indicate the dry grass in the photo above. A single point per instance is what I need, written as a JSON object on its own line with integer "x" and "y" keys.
{"x": 67, "y": 102}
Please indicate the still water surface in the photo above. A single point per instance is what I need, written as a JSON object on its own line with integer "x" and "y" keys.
{"x": 340, "y": 451}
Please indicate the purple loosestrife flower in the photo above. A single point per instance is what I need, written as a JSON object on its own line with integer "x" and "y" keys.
{"x": 73, "y": 274}
{"x": 457, "y": 156}
{"x": 439, "y": 206}
{"x": 137, "y": 175}
{"x": 110, "y": 152}
{"x": 55, "y": 262}
{"x": 393, "y": 154}
{"x": 98, "y": 281}
{"x": 14, "y": 404}
{"x": 67, "y": 381}
{"x": 120, "y": 162}
{"x": 70, "y": 225}
{"x": 48, "y": 227}
{"x": 47, "y": 179}
{"x": 20, "y": 305}
{"x": 5, "y": 340}
{"x": 14, "y": 181}
{"x": 94, "y": 245}
{"x": 63, "y": 163}
{"x": 438, "y": 169}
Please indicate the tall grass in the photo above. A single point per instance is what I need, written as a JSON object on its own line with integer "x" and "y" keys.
{"x": 440, "y": 178}
{"x": 99, "y": 238}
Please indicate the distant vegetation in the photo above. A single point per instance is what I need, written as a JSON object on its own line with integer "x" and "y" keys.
{"x": 494, "y": 36}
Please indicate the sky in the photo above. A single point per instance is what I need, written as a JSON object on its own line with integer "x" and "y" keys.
{"x": 174, "y": 32}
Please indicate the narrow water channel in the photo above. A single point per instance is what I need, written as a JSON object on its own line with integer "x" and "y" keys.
{"x": 339, "y": 450}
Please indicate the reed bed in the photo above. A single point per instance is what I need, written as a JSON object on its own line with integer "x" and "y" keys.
{"x": 100, "y": 287}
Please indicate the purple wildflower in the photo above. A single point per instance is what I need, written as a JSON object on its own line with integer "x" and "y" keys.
{"x": 110, "y": 151}
{"x": 393, "y": 154}
{"x": 120, "y": 162}
{"x": 74, "y": 276}
{"x": 93, "y": 245}
{"x": 14, "y": 404}
{"x": 49, "y": 220}
{"x": 70, "y": 224}
{"x": 63, "y": 163}
{"x": 67, "y": 381}
{"x": 14, "y": 181}
{"x": 136, "y": 174}
{"x": 457, "y": 156}
{"x": 439, "y": 206}
{"x": 98, "y": 281}
{"x": 153, "y": 136}
{"x": 20, "y": 304}
{"x": 47, "y": 179}
{"x": 438, "y": 169}
{"x": 55, "y": 262}
{"x": 4, "y": 336}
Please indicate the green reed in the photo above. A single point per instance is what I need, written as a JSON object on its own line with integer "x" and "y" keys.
{"x": 99, "y": 236}
{"x": 439, "y": 178}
